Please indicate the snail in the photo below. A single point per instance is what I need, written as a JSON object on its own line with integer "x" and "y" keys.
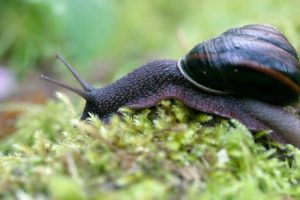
{"x": 247, "y": 73}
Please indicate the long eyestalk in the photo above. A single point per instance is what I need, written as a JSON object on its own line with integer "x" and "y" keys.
{"x": 81, "y": 93}
{"x": 86, "y": 87}
{"x": 82, "y": 82}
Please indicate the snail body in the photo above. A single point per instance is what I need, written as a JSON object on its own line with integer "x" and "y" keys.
{"x": 271, "y": 59}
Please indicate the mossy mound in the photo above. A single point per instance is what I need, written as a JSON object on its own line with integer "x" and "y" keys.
{"x": 166, "y": 152}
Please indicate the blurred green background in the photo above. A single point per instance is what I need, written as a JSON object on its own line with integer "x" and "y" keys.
{"x": 104, "y": 39}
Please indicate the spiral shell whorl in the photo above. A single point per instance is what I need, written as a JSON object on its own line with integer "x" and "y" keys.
{"x": 253, "y": 61}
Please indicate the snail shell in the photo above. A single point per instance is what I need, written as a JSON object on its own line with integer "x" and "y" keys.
{"x": 255, "y": 61}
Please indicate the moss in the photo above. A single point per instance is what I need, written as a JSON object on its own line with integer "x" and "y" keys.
{"x": 166, "y": 152}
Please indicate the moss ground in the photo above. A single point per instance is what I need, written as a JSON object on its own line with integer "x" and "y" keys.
{"x": 166, "y": 152}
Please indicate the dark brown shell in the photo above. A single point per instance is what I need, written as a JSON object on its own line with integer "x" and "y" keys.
{"x": 254, "y": 61}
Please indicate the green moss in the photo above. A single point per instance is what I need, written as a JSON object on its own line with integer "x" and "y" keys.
{"x": 166, "y": 152}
